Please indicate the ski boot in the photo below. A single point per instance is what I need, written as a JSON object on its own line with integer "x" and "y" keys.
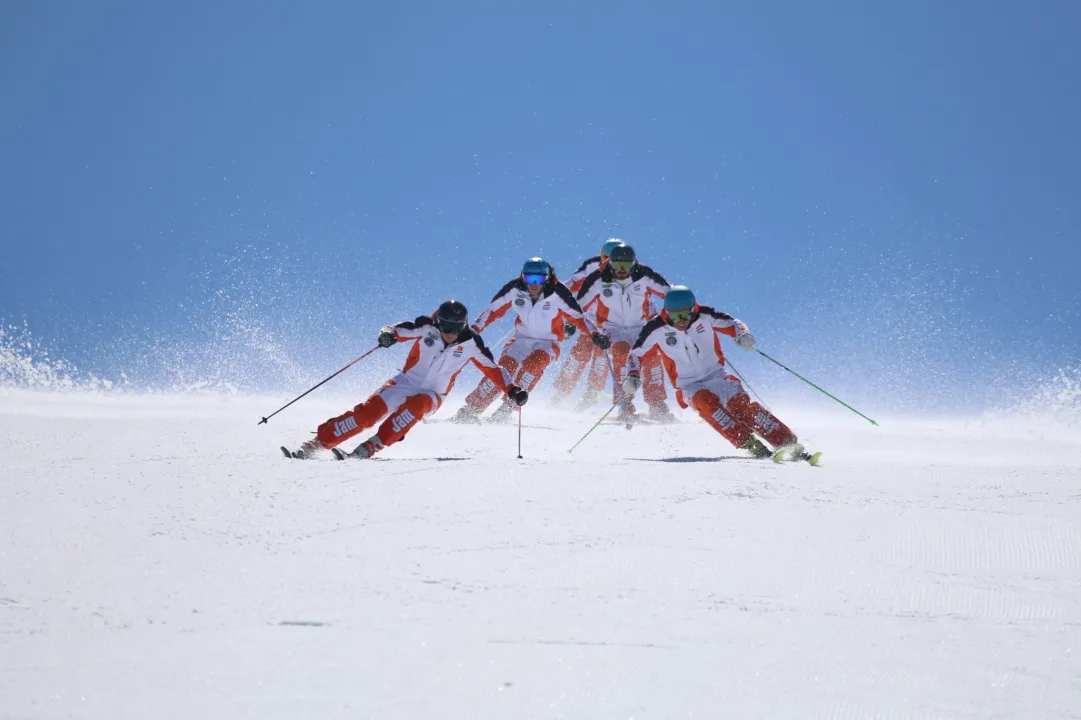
{"x": 306, "y": 450}
{"x": 466, "y": 416}
{"x": 502, "y": 415}
{"x": 660, "y": 413}
{"x": 588, "y": 400}
{"x": 757, "y": 448}
{"x": 627, "y": 414}
{"x": 796, "y": 451}
{"x": 361, "y": 452}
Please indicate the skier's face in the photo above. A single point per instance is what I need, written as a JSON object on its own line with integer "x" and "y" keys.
{"x": 449, "y": 337}
{"x": 534, "y": 284}
{"x": 622, "y": 269}
{"x": 680, "y": 319}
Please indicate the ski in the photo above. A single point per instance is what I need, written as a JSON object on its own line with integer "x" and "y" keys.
{"x": 287, "y": 452}
{"x": 641, "y": 420}
{"x": 811, "y": 458}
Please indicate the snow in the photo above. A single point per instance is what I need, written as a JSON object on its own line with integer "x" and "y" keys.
{"x": 160, "y": 559}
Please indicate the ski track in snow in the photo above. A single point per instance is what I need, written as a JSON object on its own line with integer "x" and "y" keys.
{"x": 159, "y": 558}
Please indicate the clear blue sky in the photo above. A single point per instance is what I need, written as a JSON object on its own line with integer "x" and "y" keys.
{"x": 883, "y": 191}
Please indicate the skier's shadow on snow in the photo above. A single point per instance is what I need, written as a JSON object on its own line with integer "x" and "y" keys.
{"x": 723, "y": 458}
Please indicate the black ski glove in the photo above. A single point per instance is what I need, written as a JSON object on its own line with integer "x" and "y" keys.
{"x": 569, "y": 330}
{"x": 386, "y": 339}
{"x": 517, "y": 395}
{"x": 602, "y": 341}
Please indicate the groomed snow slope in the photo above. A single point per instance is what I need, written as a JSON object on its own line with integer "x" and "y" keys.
{"x": 160, "y": 559}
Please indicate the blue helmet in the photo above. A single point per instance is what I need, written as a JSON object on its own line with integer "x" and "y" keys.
{"x": 535, "y": 267}
{"x": 679, "y": 300}
{"x": 607, "y": 247}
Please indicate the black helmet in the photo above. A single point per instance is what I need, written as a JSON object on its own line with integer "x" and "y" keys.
{"x": 622, "y": 257}
{"x": 451, "y": 317}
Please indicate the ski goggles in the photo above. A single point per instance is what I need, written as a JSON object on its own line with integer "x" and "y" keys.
{"x": 450, "y": 326}
{"x": 678, "y": 316}
{"x": 621, "y": 266}
{"x": 534, "y": 279}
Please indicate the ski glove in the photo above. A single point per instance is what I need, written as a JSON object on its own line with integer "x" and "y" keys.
{"x": 631, "y": 383}
{"x": 569, "y": 330}
{"x": 602, "y": 341}
{"x": 746, "y": 341}
{"x": 517, "y": 395}
{"x": 386, "y": 339}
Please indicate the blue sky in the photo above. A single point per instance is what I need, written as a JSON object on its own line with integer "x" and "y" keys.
{"x": 884, "y": 191}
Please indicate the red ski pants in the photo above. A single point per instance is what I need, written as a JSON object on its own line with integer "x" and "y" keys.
{"x": 729, "y": 410}
{"x": 402, "y": 405}
{"x": 525, "y": 360}
{"x": 578, "y": 359}
{"x": 653, "y": 389}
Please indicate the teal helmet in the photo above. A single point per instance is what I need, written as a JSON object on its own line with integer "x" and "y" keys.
{"x": 606, "y": 249}
{"x": 536, "y": 269}
{"x": 680, "y": 303}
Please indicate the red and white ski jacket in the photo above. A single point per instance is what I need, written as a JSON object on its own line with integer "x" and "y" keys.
{"x": 688, "y": 356}
{"x": 578, "y": 278}
{"x": 622, "y": 304}
{"x": 434, "y": 365}
{"x": 541, "y": 320}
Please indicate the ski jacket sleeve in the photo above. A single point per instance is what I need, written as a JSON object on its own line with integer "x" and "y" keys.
{"x": 647, "y": 345}
{"x": 482, "y": 358}
{"x": 656, "y": 289}
{"x": 571, "y": 311}
{"x": 410, "y": 329}
{"x": 590, "y": 289}
{"x": 574, "y": 282}
{"x": 722, "y": 322}
{"x": 498, "y": 307}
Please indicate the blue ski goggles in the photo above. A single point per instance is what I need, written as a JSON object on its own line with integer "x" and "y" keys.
{"x": 534, "y": 279}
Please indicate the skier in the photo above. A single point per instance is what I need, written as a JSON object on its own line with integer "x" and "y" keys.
{"x": 685, "y": 338}
{"x": 544, "y": 308}
{"x": 584, "y": 350}
{"x": 620, "y": 298}
{"x": 442, "y": 346}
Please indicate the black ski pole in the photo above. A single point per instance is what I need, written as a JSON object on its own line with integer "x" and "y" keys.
{"x": 519, "y": 432}
{"x": 263, "y": 421}
{"x": 747, "y": 385}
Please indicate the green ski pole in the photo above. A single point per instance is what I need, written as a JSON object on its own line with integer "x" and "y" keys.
{"x": 614, "y": 406}
{"x": 834, "y": 397}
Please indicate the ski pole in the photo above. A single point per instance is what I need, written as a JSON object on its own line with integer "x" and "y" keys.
{"x": 816, "y": 387}
{"x": 263, "y": 421}
{"x": 614, "y": 406}
{"x": 519, "y": 432}
{"x": 615, "y": 384}
{"x": 747, "y": 384}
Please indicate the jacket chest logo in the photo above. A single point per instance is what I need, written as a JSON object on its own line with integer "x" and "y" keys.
{"x": 429, "y": 341}
{"x": 458, "y": 351}
{"x": 607, "y": 292}
{"x": 671, "y": 338}
{"x": 519, "y": 302}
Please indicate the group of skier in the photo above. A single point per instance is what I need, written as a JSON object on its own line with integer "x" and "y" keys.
{"x": 632, "y": 326}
